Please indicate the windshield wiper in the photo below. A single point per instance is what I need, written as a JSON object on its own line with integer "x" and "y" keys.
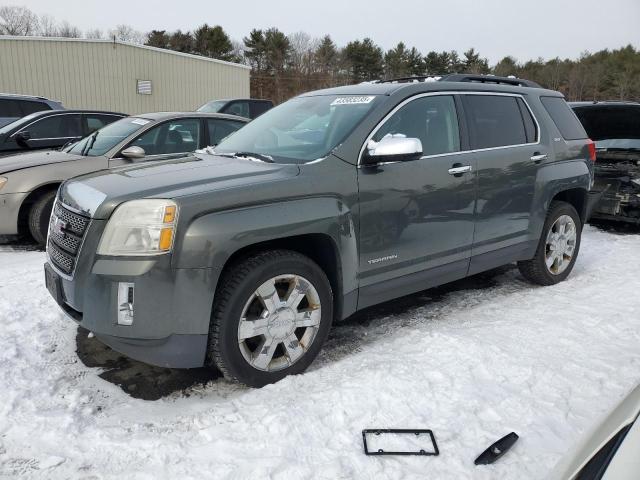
{"x": 89, "y": 144}
{"x": 248, "y": 155}
{"x": 252, "y": 155}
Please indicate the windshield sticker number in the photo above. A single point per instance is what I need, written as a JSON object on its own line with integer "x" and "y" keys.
{"x": 140, "y": 121}
{"x": 353, "y": 100}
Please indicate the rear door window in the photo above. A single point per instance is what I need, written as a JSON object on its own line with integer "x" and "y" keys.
{"x": 10, "y": 108}
{"x": 258, "y": 108}
{"x": 96, "y": 122}
{"x": 564, "y": 118}
{"x": 220, "y": 129}
{"x": 239, "y": 108}
{"x": 529, "y": 124}
{"x": 494, "y": 121}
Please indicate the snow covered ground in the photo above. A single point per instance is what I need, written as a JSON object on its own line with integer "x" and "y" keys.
{"x": 472, "y": 361}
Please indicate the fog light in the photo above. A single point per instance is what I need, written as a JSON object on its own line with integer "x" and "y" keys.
{"x": 125, "y": 303}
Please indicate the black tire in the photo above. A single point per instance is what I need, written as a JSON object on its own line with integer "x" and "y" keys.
{"x": 39, "y": 217}
{"x": 535, "y": 270}
{"x": 236, "y": 287}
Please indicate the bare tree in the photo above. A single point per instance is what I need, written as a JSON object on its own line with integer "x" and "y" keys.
{"x": 126, "y": 33}
{"x": 96, "y": 33}
{"x": 18, "y": 21}
{"x": 67, "y": 30}
{"x": 48, "y": 26}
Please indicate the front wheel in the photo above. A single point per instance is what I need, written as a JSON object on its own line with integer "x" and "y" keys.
{"x": 271, "y": 315}
{"x": 558, "y": 248}
{"x": 39, "y": 217}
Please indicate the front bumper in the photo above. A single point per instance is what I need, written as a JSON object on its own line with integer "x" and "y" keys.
{"x": 172, "y": 307}
{"x": 9, "y": 209}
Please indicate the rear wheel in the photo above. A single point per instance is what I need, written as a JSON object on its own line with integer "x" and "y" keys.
{"x": 271, "y": 315}
{"x": 558, "y": 248}
{"x": 39, "y": 216}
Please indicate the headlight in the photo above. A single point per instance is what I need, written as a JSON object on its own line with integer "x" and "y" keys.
{"x": 3, "y": 180}
{"x": 140, "y": 227}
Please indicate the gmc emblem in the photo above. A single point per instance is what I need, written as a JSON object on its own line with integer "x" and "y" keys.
{"x": 58, "y": 226}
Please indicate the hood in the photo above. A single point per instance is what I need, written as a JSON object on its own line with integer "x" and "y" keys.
{"x": 34, "y": 159}
{"x": 99, "y": 193}
{"x": 610, "y": 122}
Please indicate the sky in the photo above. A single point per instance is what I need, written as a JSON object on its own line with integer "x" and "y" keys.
{"x": 495, "y": 28}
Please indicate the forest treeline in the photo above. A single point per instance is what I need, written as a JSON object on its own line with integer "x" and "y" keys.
{"x": 284, "y": 65}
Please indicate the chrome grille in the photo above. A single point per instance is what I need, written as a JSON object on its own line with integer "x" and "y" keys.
{"x": 76, "y": 224}
{"x": 60, "y": 259}
{"x": 66, "y": 230}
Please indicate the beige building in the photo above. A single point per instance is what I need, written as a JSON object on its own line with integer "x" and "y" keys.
{"x": 116, "y": 76}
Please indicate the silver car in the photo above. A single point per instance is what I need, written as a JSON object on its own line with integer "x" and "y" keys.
{"x": 28, "y": 182}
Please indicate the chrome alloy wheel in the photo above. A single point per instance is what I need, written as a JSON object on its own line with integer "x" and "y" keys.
{"x": 279, "y": 322}
{"x": 560, "y": 244}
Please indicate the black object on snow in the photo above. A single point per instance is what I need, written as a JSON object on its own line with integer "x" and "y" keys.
{"x": 420, "y": 432}
{"x": 497, "y": 450}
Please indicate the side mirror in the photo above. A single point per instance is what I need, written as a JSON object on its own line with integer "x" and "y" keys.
{"x": 392, "y": 149}
{"x": 133, "y": 153}
{"x": 22, "y": 139}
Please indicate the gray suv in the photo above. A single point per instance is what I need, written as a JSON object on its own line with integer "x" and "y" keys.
{"x": 329, "y": 203}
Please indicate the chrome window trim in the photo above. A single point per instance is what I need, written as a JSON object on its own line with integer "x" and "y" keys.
{"x": 41, "y": 119}
{"x": 460, "y": 152}
{"x": 52, "y": 138}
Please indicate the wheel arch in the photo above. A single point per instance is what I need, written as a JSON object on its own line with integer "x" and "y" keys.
{"x": 576, "y": 197}
{"x": 319, "y": 247}
{"x": 34, "y": 195}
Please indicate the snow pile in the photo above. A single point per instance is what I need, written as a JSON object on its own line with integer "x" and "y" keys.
{"x": 470, "y": 363}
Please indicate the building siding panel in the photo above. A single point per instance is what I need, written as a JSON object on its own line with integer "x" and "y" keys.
{"x": 102, "y": 75}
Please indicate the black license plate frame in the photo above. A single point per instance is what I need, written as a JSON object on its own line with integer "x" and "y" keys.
{"x": 401, "y": 431}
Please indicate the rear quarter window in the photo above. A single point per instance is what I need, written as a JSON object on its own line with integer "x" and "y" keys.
{"x": 29, "y": 107}
{"x": 568, "y": 124}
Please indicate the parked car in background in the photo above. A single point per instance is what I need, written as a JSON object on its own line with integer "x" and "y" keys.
{"x": 29, "y": 181}
{"x": 243, "y": 258}
{"x": 615, "y": 127}
{"x": 52, "y": 129}
{"x": 609, "y": 451}
{"x": 13, "y": 107}
{"x": 242, "y": 107}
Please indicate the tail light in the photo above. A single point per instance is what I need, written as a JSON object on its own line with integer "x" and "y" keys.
{"x": 592, "y": 150}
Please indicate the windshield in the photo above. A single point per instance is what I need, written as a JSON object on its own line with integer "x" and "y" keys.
{"x": 212, "y": 107}
{"x": 103, "y": 140}
{"x": 302, "y": 129}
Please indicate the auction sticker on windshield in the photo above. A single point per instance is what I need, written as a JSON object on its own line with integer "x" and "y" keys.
{"x": 353, "y": 100}
{"x": 140, "y": 121}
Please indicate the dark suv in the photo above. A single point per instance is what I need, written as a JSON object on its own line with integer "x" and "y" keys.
{"x": 13, "y": 106}
{"x": 329, "y": 203}
{"x": 241, "y": 107}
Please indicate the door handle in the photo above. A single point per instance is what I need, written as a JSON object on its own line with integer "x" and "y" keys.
{"x": 459, "y": 170}
{"x": 538, "y": 157}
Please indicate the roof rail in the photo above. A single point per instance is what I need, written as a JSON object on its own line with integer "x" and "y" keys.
{"x": 464, "y": 77}
{"x": 416, "y": 78}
